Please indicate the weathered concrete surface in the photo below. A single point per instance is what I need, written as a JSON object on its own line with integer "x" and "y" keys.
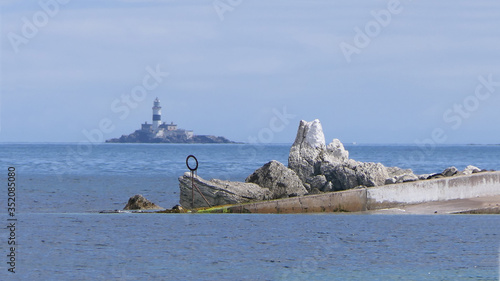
{"x": 478, "y": 205}
{"x": 443, "y": 189}
{"x": 353, "y": 200}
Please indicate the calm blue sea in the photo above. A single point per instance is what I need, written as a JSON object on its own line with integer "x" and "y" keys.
{"x": 61, "y": 236}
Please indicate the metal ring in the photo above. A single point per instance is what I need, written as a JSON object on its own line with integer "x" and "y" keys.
{"x": 187, "y": 163}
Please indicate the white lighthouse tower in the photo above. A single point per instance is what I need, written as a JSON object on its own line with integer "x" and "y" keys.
{"x": 156, "y": 114}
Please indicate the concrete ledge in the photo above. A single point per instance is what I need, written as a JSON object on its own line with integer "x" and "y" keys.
{"x": 348, "y": 201}
{"x": 460, "y": 187}
{"x": 375, "y": 198}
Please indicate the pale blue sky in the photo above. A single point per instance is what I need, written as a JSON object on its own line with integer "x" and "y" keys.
{"x": 229, "y": 72}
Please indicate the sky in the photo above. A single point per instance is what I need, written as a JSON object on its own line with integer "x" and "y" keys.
{"x": 386, "y": 72}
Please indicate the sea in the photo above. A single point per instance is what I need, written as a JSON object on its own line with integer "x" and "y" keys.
{"x": 60, "y": 234}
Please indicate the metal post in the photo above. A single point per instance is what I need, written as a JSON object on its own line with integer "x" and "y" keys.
{"x": 193, "y": 186}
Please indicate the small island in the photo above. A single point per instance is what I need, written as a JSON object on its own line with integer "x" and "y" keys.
{"x": 159, "y": 132}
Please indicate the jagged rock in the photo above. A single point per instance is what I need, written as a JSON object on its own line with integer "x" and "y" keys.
{"x": 398, "y": 175}
{"x": 218, "y": 192}
{"x": 178, "y": 209}
{"x": 424, "y": 176}
{"x": 138, "y": 202}
{"x": 390, "y": 181}
{"x": 307, "y": 149}
{"x": 318, "y": 182}
{"x": 335, "y": 152}
{"x": 328, "y": 187}
{"x": 351, "y": 174}
{"x": 280, "y": 180}
{"x": 341, "y": 176}
{"x": 371, "y": 174}
{"x": 471, "y": 170}
{"x": 310, "y": 157}
{"x": 315, "y": 191}
{"x": 435, "y": 176}
{"x": 448, "y": 172}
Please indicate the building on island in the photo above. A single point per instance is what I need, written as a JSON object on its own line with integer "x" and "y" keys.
{"x": 160, "y": 129}
{"x": 156, "y": 114}
{"x": 159, "y": 132}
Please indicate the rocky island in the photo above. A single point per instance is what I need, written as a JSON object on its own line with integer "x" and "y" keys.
{"x": 159, "y": 132}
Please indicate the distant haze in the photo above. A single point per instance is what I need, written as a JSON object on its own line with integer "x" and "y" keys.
{"x": 250, "y": 70}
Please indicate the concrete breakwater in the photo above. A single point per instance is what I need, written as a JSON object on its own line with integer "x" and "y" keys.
{"x": 374, "y": 198}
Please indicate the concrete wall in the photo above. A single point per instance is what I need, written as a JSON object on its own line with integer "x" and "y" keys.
{"x": 350, "y": 200}
{"x": 460, "y": 187}
{"x": 354, "y": 200}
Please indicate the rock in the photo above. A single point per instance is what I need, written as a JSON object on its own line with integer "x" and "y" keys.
{"x": 390, "y": 181}
{"x": 310, "y": 157}
{"x": 335, "y": 152}
{"x": 314, "y": 191}
{"x": 424, "y": 176}
{"x": 328, "y": 187}
{"x": 317, "y": 182}
{"x": 341, "y": 176}
{"x": 351, "y": 174}
{"x": 280, "y": 180}
{"x": 307, "y": 149}
{"x": 448, "y": 172}
{"x": 178, "y": 209}
{"x": 138, "y": 202}
{"x": 471, "y": 170}
{"x": 371, "y": 174}
{"x": 435, "y": 176}
{"x": 218, "y": 192}
{"x": 398, "y": 175}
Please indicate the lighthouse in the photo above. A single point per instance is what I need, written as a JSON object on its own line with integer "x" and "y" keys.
{"x": 156, "y": 114}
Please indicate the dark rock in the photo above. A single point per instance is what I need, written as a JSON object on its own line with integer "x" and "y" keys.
{"x": 424, "y": 176}
{"x": 281, "y": 181}
{"x": 318, "y": 182}
{"x": 351, "y": 174}
{"x": 178, "y": 209}
{"x": 436, "y": 176}
{"x": 314, "y": 191}
{"x": 328, "y": 187}
{"x": 448, "y": 172}
{"x": 341, "y": 176}
{"x": 138, "y": 202}
{"x": 390, "y": 181}
{"x": 371, "y": 174}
